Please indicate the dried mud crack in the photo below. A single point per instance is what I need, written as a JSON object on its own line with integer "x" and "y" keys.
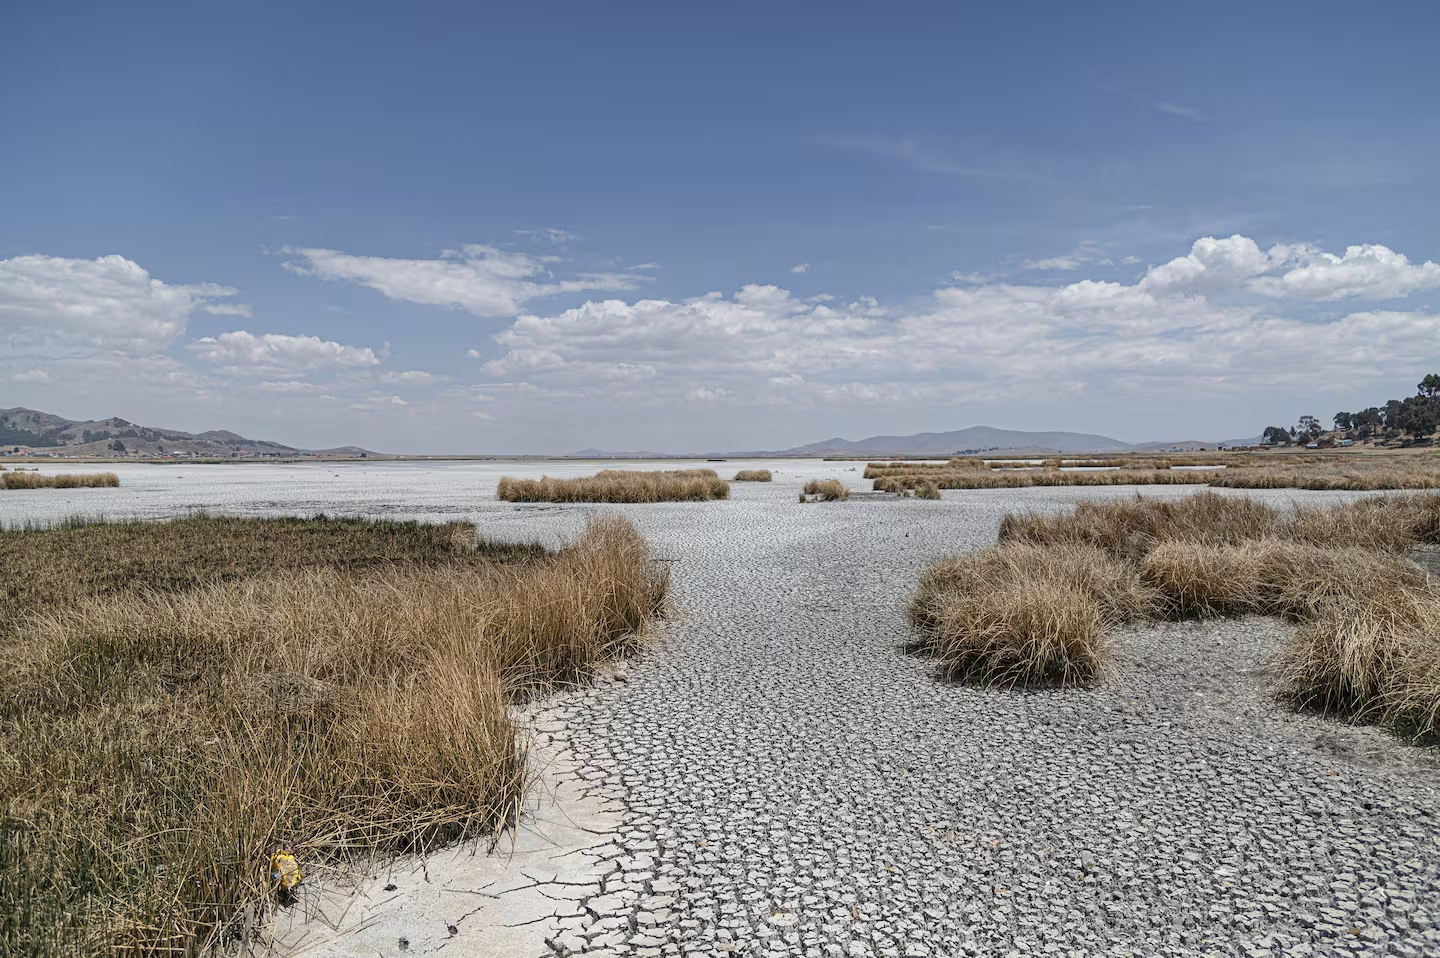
{"x": 787, "y": 780}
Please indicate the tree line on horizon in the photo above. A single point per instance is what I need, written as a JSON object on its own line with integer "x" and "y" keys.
{"x": 1416, "y": 416}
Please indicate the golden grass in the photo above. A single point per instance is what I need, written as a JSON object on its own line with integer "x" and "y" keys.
{"x": 1336, "y": 471}
{"x": 619, "y": 485}
{"x": 753, "y": 475}
{"x": 1026, "y": 615}
{"x": 1368, "y": 636}
{"x": 63, "y": 480}
{"x": 1021, "y": 478}
{"x": 926, "y": 490}
{"x": 160, "y": 737}
{"x": 824, "y": 490}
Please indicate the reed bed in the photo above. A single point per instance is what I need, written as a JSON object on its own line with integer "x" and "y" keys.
{"x": 753, "y": 475}
{"x": 824, "y": 490}
{"x": 1337, "y": 472}
{"x": 620, "y": 486}
{"x": 61, "y": 480}
{"x": 1022, "y": 479}
{"x": 1033, "y": 610}
{"x": 162, "y": 734}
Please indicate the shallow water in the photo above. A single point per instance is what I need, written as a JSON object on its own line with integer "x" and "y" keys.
{"x": 389, "y": 489}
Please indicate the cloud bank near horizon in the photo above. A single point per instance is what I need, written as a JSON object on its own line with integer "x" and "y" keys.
{"x": 1226, "y": 317}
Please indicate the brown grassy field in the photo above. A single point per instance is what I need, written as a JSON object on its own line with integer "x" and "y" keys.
{"x": 753, "y": 475}
{"x": 185, "y": 698}
{"x": 1336, "y": 471}
{"x": 619, "y": 485}
{"x": 824, "y": 490}
{"x": 1033, "y": 610}
{"x": 71, "y": 480}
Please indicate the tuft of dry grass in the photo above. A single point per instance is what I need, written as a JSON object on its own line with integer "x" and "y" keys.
{"x": 62, "y": 480}
{"x": 161, "y": 736}
{"x": 1026, "y": 615}
{"x": 824, "y": 490}
{"x": 926, "y": 490}
{"x": 1368, "y": 618}
{"x": 619, "y": 485}
{"x": 753, "y": 475}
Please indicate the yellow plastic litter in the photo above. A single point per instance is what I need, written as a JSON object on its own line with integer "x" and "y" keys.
{"x": 285, "y": 872}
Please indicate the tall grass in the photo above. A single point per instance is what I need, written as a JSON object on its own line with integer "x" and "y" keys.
{"x": 159, "y": 738}
{"x": 1032, "y": 610}
{"x": 824, "y": 490}
{"x": 62, "y": 480}
{"x": 619, "y": 485}
{"x": 753, "y": 475}
{"x": 1335, "y": 472}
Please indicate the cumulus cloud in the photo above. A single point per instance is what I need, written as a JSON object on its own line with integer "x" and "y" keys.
{"x": 980, "y": 341}
{"x": 1294, "y": 271}
{"x": 242, "y": 351}
{"x": 51, "y": 305}
{"x": 482, "y": 280}
{"x": 802, "y": 268}
{"x": 1370, "y": 271}
{"x": 1061, "y": 263}
{"x": 412, "y": 377}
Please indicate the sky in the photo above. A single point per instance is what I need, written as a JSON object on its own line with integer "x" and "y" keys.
{"x": 534, "y": 228}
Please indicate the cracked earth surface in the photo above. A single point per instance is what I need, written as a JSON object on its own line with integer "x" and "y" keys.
{"x": 783, "y": 779}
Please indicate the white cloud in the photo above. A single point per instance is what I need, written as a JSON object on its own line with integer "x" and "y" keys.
{"x": 32, "y": 376}
{"x": 802, "y": 268}
{"x": 413, "y": 377}
{"x": 1130, "y": 260}
{"x": 473, "y": 353}
{"x": 230, "y": 309}
{"x": 1158, "y": 337}
{"x": 1211, "y": 264}
{"x": 1298, "y": 271}
{"x": 1055, "y": 263}
{"x": 287, "y": 386}
{"x": 482, "y": 280}
{"x": 1174, "y": 109}
{"x": 1371, "y": 271}
{"x": 61, "y": 307}
{"x": 242, "y": 351}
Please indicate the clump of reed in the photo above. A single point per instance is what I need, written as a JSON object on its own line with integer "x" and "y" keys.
{"x": 1026, "y": 615}
{"x": 1024, "y": 478}
{"x": 1032, "y": 609}
{"x": 61, "y": 480}
{"x": 824, "y": 490}
{"x": 162, "y": 735}
{"x": 926, "y": 490}
{"x": 619, "y": 485}
{"x": 753, "y": 475}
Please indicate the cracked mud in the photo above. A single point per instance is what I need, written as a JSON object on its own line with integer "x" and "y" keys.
{"x": 778, "y": 777}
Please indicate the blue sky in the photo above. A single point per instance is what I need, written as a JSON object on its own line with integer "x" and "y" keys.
{"x": 470, "y": 228}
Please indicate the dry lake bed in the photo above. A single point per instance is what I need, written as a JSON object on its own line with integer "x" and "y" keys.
{"x": 775, "y": 775}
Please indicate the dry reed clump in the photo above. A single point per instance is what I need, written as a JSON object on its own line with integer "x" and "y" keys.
{"x": 753, "y": 475}
{"x": 1026, "y": 615}
{"x": 1368, "y": 618}
{"x": 63, "y": 480}
{"x": 160, "y": 741}
{"x": 1336, "y": 472}
{"x": 620, "y": 486}
{"x": 926, "y": 490}
{"x": 824, "y": 490}
{"x": 1024, "y": 476}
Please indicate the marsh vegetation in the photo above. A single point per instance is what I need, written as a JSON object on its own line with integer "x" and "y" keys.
{"x": 63, "y": 480}
{"x": 185, "y": 698}
{"x": 619, "y": 485}
{"x": 1036, "y": 608}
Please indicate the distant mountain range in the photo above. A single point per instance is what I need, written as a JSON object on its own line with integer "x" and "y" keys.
{"x": 976, "y": 439}
{"x": 42, "y": 432}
